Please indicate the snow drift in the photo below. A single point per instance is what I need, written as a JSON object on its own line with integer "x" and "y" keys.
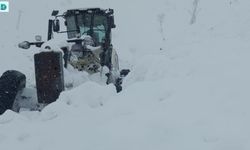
{"x": 188, "y": 88}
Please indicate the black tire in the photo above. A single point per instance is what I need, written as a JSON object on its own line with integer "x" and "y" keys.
{"x": 118, "y": 85}
{"x": 11, "y": 82}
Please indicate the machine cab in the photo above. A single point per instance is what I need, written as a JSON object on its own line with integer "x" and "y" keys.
{"x": 96, "y": 23}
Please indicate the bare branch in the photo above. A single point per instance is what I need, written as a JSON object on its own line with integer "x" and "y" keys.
{"x": 194, "y": 12}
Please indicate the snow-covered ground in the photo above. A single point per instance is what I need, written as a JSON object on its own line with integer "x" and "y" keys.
{"x": 188, "y": 89}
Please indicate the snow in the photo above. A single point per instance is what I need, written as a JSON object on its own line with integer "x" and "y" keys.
{"x": 189, "y": 91}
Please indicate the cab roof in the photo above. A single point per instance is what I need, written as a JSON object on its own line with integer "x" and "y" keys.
{"x": 107, "y": 12}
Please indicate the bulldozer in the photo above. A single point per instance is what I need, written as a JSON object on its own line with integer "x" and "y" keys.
{"x": 88, "y": 49}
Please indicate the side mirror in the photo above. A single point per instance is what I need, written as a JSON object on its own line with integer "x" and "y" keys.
{"x": 24, "y": 45}
{"x": 112, "y": 22}
{"x": 56, "y": 25}
{"x": 55, "y": 12}
{"x": 38, "y": 38}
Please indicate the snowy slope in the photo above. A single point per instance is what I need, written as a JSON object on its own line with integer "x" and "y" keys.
{"x": 188, "y": 88}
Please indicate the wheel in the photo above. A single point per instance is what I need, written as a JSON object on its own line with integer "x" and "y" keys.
{"x": 11, "y": 82}
{"x": 118, "y": 85}
{"x": 49, "y": 76}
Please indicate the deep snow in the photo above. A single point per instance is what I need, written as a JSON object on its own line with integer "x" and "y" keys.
{"x": 189, "y": 91}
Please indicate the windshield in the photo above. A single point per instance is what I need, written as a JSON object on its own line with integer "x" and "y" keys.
{"x": 83, "y": 23}
{"x": 71, "y": 27}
